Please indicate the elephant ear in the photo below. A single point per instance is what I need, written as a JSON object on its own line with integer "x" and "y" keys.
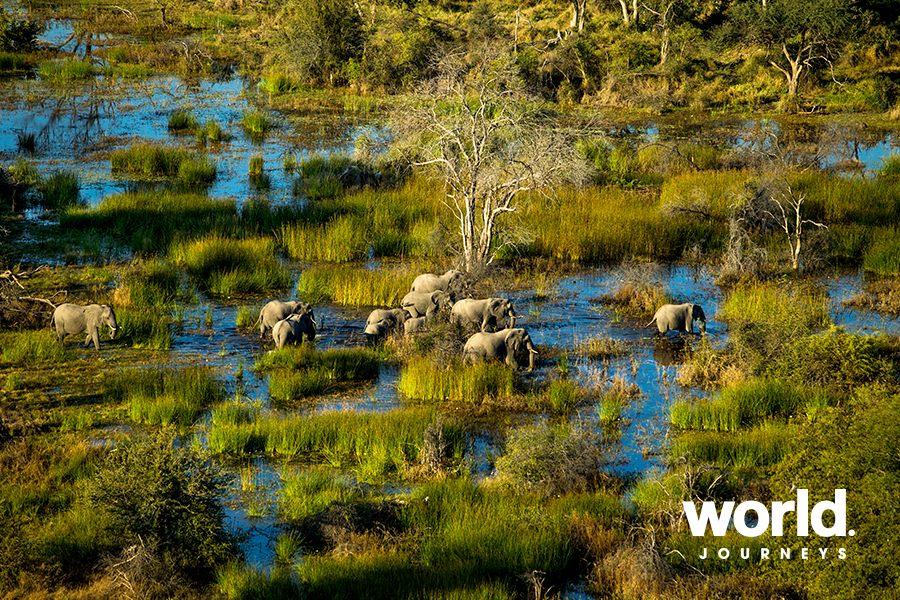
{"x": 689, "y": 318}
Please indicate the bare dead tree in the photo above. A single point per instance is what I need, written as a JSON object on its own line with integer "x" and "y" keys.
{"x": 478, "y": 128}
{"x": 789, "y": 217}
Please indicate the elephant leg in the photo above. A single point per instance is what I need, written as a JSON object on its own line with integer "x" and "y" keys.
{"x": 87, "y": 341}
{"x": 95, "y": 336}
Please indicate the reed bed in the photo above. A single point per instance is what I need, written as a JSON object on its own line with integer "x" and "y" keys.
{"x": 351, "y": 286}
{"x": 60, "y": 191}
{"x": 144, "y": 328}
{"x": 33, "y": 347}
{"x": 761, "y": 446}
{"x": 287, "y": 386}
{"x": 182, "y": 121}
{"x": 65, "y": 70}
{"x": 563, "y": 396}
{"x": 149, "y": 284}
{"x": 256, "y": 123}
{"x": 226, "y": 266}
{"x": 197, "y": 172}
{"x": 610, "y": 224}
{"x": 774, "y": 308}
{"x": 13, "y": 61}
{"x": 247, "y": 317}
{"x": 488, "y": 382}
{"x": 375, "y": 445}
{"x": 352, "y": 364}
{"x": 236, "y": 581}
{"x": 149, "y": 160}
{"x": 194, "y": 386}
{"x": 307, "y": 492}
{"x": 746, "y": 405}
{"x": 601, "y": 347}
{"x": 343, "y": 240}
{"x": 151, "y": 220}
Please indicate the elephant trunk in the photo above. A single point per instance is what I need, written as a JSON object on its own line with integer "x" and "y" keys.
{"x": 702, "y": 326}
{"x": 512, "y": 320}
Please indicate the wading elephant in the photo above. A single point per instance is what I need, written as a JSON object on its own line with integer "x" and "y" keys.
{"x": 483, "y": 314}
{"x": 75, "y": 319}
{"x": 292, "y": 330}
{"x": 508, "y": 343}
{"x": 276, "y": 311}
{"x": 414, "y": 325}
{"x": 452, "y": 281}
{"x": 382, "y": 321}
{"x": 678, "y": 317}
{"x": 425, "y": 304}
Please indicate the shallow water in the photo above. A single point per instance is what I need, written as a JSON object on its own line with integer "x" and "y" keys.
{"x": 79, "y": 124}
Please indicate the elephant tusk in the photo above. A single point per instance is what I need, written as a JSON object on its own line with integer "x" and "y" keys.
{"x": 532, "y": 351}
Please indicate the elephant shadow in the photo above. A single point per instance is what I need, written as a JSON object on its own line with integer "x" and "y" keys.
{"x": 671, "y": 351}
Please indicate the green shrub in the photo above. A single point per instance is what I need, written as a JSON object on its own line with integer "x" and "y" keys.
{"x": 554, "y": 459}
{"x": 159, "y": 495}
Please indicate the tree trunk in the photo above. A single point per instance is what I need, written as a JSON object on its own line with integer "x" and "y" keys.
{"x": 625, "y": 17}
{"x": 578, "y": 15}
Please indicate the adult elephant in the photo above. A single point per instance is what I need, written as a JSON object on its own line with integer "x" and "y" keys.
{"x": 506, "y": 343}
{"x": 425, "y": 304}
{"x": 75, "y": 319}
{"x": 452, "y": 281}
{"x": 483, "y": 314}
{"x": 292, "y": 330}
{"x": 276, "y": 311}
{"x": 679, "y": 317}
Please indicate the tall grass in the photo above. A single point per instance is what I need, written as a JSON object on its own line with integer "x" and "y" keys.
{"x": 146, "y": 328}
{"x": 65, "y": 70}
{"x": 12, "y": 61}
{"x": 374, "y": 445}
{"x": 343, "y": 240}
{"x": 746, "y": 405}
{"x": 760, "y": 446}
{"x": 257, "y": 124}
{"x": 61, "y": 190}
{"x": 182, "y": 121}
{"x": 489, "y": 382}
{"x": 151, "y": 220}
{"x": 356, "y": 287}
{"x": 355, "y": 364}
{"x": 609, "y": 224}
{"x": 148, "y": 159}
{"x": 225, "y": 266}
{"x": 166, "y": 396}
{"x": 149, "y": 284}
{"x": 307, "y": 492}
{"x": 236, "y": 581}
{"x": 32, "y": 347}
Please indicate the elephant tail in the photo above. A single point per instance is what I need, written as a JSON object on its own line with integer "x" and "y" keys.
{"x": 651, "y": 323}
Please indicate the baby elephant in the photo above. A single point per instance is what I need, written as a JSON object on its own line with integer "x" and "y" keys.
{"x": 679, "y": 317}
{"x": 292, "y": 330}
{"x": 75, "y": 319}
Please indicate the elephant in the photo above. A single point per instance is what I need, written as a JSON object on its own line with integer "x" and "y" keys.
{"x": 452, "y": 281}
{"x": 494, "y": 345}
{"x": 394, "y": 316}
{"x": 382, "y": 321}
{"x": 292, "y": 330}
{"x": 75, "y": 319}
{"x": 425, "y": 304}
{"x": 414, "y": 325}
{"x": 483, "y": 313}
{"x": 276, "y": 311}
{"x": 678, "y": 317}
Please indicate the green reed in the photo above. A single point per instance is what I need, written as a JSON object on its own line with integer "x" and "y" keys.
{"x": 342, "y": 364}
{"x": 33, "y": 347}
{"x": 760, "y": 446}
{"x": 307, "y": 492}
{"x": 225, "y": 266}
{"x": 65, "y": 70}
{"x": 343, "y": 240}
{"x": 144, "y": 328}
{"x": 148, "y": 159}
{"x": 356, "y": 286}
{"x": 490, "y": 382}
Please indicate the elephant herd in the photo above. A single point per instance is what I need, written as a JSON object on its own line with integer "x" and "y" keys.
{"x": 491, "y": 319}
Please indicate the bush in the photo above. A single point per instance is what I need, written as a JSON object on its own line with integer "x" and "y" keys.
{"x": 18, "y": 35}
{"x": 157, "y": 494}
{"x": 556, "y": 460}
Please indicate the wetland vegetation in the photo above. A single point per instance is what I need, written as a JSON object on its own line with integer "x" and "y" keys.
{"x": 187, "y": 458}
